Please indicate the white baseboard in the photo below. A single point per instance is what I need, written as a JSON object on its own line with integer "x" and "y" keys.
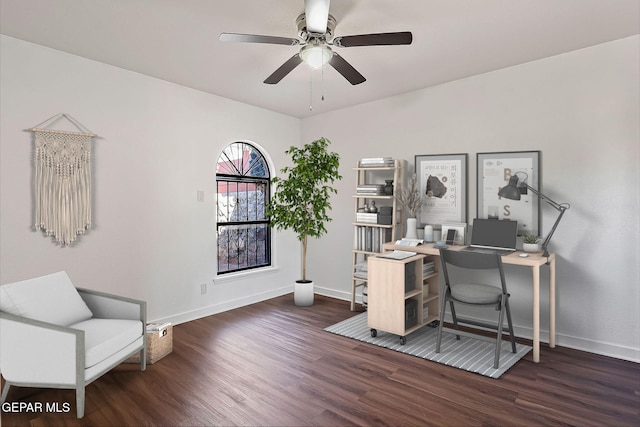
{"x": 597, "y": 347}
{"x": 188, "y": 316}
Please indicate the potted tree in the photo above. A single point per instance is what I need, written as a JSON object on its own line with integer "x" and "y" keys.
{"x": 301, "y": 201}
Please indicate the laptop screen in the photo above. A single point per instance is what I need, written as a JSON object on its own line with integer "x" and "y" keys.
{"x": 494, "y": 233}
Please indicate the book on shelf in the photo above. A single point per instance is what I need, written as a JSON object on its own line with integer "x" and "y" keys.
{"x": 370, "y": 239}
{"x": 367, "y": 217}
{"x": 376, "y": 160}
{"x": 361, "y": 275}
{"x": 370, "y": 189}
{"x": 372, "y": 162}
{"x": 428, "y": 268}
{"x": 373, "y": 218}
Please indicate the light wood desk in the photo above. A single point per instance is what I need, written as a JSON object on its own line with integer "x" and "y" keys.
{"x": 534, "y": 261}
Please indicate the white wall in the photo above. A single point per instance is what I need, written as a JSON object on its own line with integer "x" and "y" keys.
{"x": 581, "y": 110}
{"x": 159, "y": 143}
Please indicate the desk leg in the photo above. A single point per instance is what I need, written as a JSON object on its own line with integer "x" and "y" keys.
{"x": 552, "y": 302}
{"x": 536, "y": 313}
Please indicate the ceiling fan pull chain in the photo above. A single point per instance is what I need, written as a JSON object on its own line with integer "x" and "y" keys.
{"x": 322, "y": 83}
{"x": 310, "y": 90}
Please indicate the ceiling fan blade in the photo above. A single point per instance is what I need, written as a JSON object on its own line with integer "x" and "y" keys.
{"x": 380, "y": 39}
{"x": 284, "y": 69}
{"x": 316, "y": 15}
{"x": 254, "y": 38}
{"x": 346, "y": 69}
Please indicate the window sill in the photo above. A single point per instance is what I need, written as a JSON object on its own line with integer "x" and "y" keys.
{"x": 241, "y": 275}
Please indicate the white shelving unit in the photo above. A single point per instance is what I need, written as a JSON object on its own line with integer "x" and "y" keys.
{"x": 370, "y": 236}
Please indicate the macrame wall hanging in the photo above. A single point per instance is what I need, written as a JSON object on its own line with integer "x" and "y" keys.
{"x": 62, "y": 180}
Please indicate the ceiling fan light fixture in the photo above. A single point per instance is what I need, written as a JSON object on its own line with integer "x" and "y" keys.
{"x": 316, "y": 55}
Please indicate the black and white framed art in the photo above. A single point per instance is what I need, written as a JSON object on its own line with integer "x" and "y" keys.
{"x": 442, "y": 179}
{"x": 494, "y": 171}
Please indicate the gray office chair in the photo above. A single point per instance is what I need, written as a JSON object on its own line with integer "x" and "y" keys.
{"x": 474, "y": 294}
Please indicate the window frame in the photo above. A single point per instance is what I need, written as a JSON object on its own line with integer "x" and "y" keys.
{"x": 240, "y": 175}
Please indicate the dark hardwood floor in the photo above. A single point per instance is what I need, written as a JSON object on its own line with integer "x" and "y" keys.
{"x": 271, "y": 364}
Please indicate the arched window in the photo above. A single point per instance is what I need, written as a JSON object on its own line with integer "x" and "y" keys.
{"x": 244, "y": 235}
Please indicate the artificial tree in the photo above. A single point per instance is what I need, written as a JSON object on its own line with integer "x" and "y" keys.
{"x": 301, "y": 200}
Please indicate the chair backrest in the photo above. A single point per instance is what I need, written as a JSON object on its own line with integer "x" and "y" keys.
{"x": 51, "y": 298}
{"x": 473, "y": 261}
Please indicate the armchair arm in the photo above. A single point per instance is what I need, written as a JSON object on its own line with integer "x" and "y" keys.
{"x": 39, "y": 353}
{"x": 109, "y": 306}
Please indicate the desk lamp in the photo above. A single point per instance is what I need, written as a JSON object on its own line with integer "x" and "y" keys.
{"x": 513, "y": 190}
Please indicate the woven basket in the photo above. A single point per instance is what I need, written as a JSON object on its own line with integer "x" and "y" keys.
{"x": 159, "y": 344}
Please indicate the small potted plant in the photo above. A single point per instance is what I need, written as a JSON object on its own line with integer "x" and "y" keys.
{"x": 530, "y": 243}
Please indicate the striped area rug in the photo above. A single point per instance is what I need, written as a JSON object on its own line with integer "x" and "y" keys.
{"x": 469, "y": 354}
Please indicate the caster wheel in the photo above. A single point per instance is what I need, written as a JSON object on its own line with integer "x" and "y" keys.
{"x": 434, "y": 324}
{"x": 374, "y": 333}
{"x": 403, "y": 340}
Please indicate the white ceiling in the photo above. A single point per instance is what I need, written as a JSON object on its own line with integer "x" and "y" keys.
{"x": 177, "y": 41}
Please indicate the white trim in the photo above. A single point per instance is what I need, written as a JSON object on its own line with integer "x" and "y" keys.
{"x": 221, "y": 279}
{"x": 188, "y": 316}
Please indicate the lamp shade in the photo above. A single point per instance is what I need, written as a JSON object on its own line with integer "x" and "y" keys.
{"x": 316, "y": 55}
{"x": 511, "y": 190}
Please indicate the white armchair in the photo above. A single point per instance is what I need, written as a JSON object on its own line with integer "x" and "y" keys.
{"x": 53, "y": 335}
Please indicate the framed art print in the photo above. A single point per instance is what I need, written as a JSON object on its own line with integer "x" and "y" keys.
{"x": 442, "y": 179}
{"x": 494, "y": 171}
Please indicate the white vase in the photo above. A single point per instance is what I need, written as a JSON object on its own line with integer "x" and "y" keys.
{"x": 412, "y": 224}
{"x": 303, "y": 293}
{"x": 530, "y": 247}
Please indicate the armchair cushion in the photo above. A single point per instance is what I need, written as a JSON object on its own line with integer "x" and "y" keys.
{"x": 105, "y": 337}
{"x": 51, "y": 298}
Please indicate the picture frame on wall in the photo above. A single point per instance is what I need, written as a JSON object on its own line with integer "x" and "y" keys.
{"x": 494, "y": 171}
{"x": 442, "y": 179}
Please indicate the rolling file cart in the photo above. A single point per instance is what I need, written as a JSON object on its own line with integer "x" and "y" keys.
{"x": 400, "y": 301}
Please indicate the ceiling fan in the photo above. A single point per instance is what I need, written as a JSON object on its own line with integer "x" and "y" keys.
{"x": 316, "y": 39}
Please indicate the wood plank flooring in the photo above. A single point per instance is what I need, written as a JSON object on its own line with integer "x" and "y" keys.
{"x": 271, "y": 364}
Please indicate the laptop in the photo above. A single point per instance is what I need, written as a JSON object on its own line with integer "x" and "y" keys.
{"x": 493, "y": 236}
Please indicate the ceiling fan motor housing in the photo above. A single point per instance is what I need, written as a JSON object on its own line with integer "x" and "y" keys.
{"x": 301, "y": 22}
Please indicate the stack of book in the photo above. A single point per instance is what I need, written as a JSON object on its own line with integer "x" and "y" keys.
{"x": 361, "y": 270}
{"x": 373, "y": 218}
{"x": 370, "y": 189}
{"x": 376, "y": 162}
{"x": 428, "y": 268}
{"x": 370, "y": 218}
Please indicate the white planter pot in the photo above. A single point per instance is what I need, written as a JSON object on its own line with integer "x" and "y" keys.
{"x": 412, "y": 224}
{"x": 530, "y": 247}
{"x": 303, "y": 293}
